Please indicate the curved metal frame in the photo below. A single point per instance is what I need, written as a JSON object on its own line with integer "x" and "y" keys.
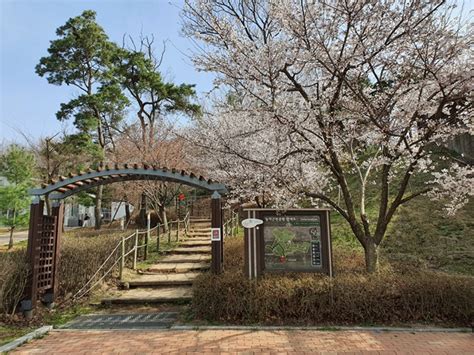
{"x": 78, "y": 183}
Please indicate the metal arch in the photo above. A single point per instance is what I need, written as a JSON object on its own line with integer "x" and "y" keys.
{"x": 127, "y": 175}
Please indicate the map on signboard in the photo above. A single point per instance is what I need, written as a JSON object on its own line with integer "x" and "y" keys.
{"x": 292, "y": 242}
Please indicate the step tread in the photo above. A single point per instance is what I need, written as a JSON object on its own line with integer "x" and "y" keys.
{"x": 150, "y": 295}
{"x": 202, "y": 234}
{"x": 163, "y": 279}
{"x": 191, "y": 250}
{"x": 194, "y": 243}
{"x": 189, "y": 258}
{"x": 198, "y": 239}
{"x": 178, "y": 267}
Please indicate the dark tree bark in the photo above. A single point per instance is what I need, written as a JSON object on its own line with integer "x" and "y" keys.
{"x": 10, "y": 243}
{"x": 98, "y": 207}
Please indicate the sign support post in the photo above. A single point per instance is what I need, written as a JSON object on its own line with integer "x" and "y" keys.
{"x": 216, "y": 240}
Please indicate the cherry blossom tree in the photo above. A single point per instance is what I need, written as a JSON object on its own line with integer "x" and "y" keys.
{"x": 331, "y": 100}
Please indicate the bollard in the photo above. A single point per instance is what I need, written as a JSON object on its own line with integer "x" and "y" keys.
{"x": 135, "y": 252}
{"x": 158, "y": 237}
{"x": 122, "y": 261}
{"x": 147, "y": 237}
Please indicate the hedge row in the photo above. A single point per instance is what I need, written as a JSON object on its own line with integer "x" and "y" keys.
{"x": 80, "y": 258}
{"x": 349, "y": 298}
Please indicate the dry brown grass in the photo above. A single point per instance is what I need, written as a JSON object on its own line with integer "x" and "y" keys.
{"x": 81, "y": 255}
{"x": 13, "y": 278}
{"x": 392, "y": 296}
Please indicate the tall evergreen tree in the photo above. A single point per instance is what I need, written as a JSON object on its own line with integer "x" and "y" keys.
{"x": 81, "y": 57}
{"x": 137, "y": 71}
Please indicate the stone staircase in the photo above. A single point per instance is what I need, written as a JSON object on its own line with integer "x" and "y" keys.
{"x": 171, "y": 279}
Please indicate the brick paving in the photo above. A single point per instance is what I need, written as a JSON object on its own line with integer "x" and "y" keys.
{"x": 249, "y": 342}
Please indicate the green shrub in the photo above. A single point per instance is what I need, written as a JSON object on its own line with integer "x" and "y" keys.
{"x": 13, "y": 279}
{"x": 352, "y": 297}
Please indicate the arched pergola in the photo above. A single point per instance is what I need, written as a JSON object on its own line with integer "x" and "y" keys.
{"x": 45, "y": 230}
{"x": 74, "y": 183}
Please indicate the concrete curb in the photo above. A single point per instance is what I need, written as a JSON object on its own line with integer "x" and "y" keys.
{"x": 25, "y": 338}
{"x": 277, "y": 328}
{"x": 328, "y": 328}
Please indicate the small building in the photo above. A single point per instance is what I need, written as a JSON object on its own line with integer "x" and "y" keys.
{"x": 75, "y": 213}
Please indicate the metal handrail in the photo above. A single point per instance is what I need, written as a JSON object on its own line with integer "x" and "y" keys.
{"x": 102, "y": 265}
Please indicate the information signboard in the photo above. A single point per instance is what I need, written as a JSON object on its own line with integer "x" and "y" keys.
{"x": 292, "y": 242}
{"x": 296, "y": 240}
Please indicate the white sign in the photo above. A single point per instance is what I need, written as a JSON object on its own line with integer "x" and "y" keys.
{"x": 215, "y": 234}
{"x": 251, "y": 222}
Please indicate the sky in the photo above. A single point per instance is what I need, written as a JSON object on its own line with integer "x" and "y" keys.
{"x": 28, "y": 103}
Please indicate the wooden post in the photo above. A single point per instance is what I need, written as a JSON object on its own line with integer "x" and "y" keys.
{"x": 142, "y": 213}
{"x": 177, "y": 231}
{"x": 169, "y": 232}
{"x": 122, "y": 260}
{"x": 58, "y": 212}
{"x": 135, "y": 252}
{"x": 158, "y": 237}
{"x": 36, "y": 215}
{"x": 237, "y": 222}
{"x": 147, "y": 236}
{"x": 232, "y": 230}
{"x": 186, "y": 221}
{"x": 216, "y": 222}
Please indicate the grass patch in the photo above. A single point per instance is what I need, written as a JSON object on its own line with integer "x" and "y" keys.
{"x": 10, "y": 333}
{"x": 16, "y": 246}
{"x": 58, "y": 317}
{"x": 55, "y": 317}
{"x": 423, "y": 235}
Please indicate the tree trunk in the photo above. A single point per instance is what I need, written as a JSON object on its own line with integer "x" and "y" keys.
{"x": 371, "y": 256}
{"x": 47, "y": 202}
{"x": 142, "y": 213}
{"x": 10, "y": 243}
{"x": 98, "y": 207}
{"x": 164, "y": 217}
{"x": 127, "y": 213}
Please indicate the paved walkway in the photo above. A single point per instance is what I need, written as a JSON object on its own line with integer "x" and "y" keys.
{"x": 17, "y": 237}
{"x": 243, "y": 341}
